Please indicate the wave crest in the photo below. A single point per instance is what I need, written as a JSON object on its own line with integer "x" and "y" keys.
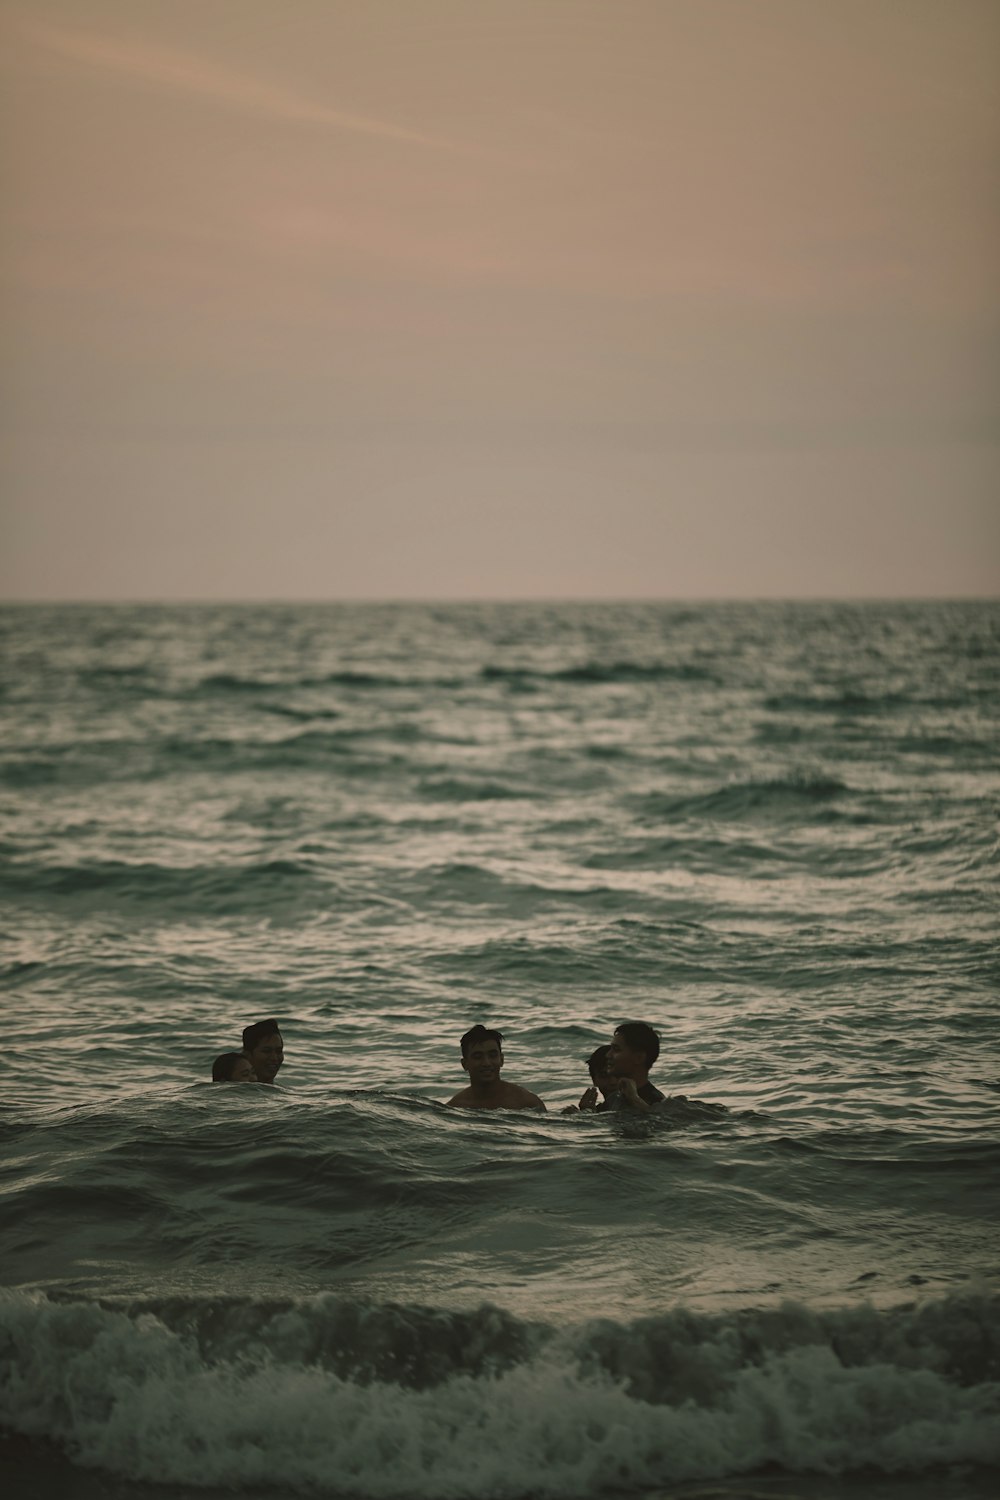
{"x": 394, "y": 1401}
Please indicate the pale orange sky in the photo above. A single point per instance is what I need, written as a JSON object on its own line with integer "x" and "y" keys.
{"x": 500, "y": 298}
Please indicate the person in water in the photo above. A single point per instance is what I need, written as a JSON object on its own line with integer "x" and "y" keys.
{"x": 262, "y": 1044}
{"x": 233, "y": 1067}
{"x": 482, "y": 1059}
{"x": 601, "y": 1082}
{"x": 632, "y": 1051}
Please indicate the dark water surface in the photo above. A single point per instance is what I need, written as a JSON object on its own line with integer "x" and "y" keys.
{"x": 770, "y": 830}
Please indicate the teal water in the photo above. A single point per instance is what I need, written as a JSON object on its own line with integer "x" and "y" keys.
{"x": 769, "y": 830}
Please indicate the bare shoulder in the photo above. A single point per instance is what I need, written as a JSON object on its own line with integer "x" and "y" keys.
{"x": 520, "y": 1098}
{"x": 507, "y": 1096}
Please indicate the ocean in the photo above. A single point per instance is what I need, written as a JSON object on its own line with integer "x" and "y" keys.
{"x": 769, "y": 830}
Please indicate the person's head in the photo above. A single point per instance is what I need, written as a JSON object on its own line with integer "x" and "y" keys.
{"x": 233, "y": 1067}
{"x": 263, "y": 1046}
{"x": 482, "y": 1054}
{"x": 633, "y": 1050}
{"x": 602, "y": 1080}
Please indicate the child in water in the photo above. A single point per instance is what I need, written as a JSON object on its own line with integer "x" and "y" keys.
{"x": 601, "y": 1083}
{"x": 233, "y": 1067}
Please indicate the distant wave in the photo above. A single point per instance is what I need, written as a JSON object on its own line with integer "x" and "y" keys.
{"x": 119, "y": 678}
{"x": 604, "y": 672}
{"x": 381, "y": 1400}
{"x": 351, "y": 751}
{"x": 211, "y": 887}
{"x": 299, "y": 715}
{"x": 744, "y": 799}
{"x": 475, "y": 886}
{"x": 462, "y": 789}
{"x": 854, "y": 701}
{"x": 227, "y": 682}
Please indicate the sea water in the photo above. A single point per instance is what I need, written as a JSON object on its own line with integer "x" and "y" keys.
{"x": 770, "y": 830}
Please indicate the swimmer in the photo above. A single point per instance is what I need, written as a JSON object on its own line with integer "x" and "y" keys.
{"x": 233, "y": 1067}
{"x": 632, "y": 1051}
{"x": 602, "y": 1081}
{"x": 262, "y": 1044}
{"x": 482, "y": 1059}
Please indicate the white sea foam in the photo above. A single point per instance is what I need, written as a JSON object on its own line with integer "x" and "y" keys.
{"x": 132, "y": 1396}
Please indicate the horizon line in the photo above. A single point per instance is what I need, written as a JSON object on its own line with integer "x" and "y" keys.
{"x": 282, "y": 602}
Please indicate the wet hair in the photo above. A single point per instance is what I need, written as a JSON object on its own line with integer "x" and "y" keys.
{"x": 640, "y": 1038}
{"x": 597, "y": 1063}
{"x": 477, "y": 1035}
{"x": 222, "y": 1068}
{"x": 257, "y": 1032}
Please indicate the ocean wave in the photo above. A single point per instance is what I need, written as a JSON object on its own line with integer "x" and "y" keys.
{"x": 855, "y": 702}
{"x": 745, "y": 799}
{"x": 633, "y": 951}
{"x": 212, "y": 888}
{"x": 119, "y": 677}
{"x": 468, "y": 789}
{"x": 299, "y": 715}
{"x": 311, "y": 749}
{"x": 361, "y": 1399}
{"x": 602, "y": 672}
{"x": 346, "y": 677}
{"x": 349, "y": 752}
{"x": 475, "y": 886}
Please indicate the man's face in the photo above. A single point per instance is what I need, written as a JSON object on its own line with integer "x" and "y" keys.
{"x": 267, "y": 1057}
{"x": 624, "y": 1061}
{"x": 243, "y": 1072}
{"x": 483, "y": 1062}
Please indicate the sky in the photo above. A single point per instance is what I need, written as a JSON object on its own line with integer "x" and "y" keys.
{"x": 457, "y": 299}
